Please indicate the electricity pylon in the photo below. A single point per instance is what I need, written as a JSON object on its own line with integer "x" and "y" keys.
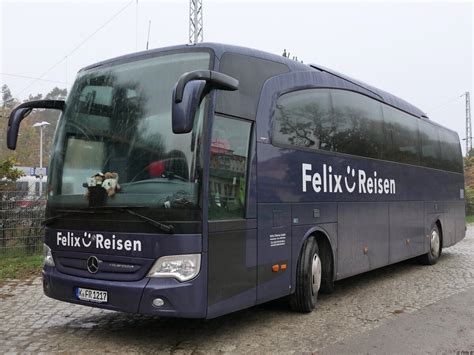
{"x": 468, "y": 124}
{"x": 195, "y": 21}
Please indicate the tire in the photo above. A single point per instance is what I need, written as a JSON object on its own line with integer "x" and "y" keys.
{"x": 327, "y": 286}
{"x": 434, "y": 252}
{"x": 327, "y": 281}
{"x": 308, "y": 278}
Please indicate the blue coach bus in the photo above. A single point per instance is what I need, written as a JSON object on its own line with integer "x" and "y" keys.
{"x": 194, "y": 181}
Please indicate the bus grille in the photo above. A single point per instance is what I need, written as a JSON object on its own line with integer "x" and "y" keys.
{"x": 110, "y": 267}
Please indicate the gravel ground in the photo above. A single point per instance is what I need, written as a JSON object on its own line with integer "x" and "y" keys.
{"x": 31, "y": 322}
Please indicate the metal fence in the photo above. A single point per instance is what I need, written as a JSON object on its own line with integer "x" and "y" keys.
{"x": 21, "y": 213}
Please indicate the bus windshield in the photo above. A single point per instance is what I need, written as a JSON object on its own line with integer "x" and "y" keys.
{"x": 116, "y": 134}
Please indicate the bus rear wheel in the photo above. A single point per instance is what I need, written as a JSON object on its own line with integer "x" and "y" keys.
{"x": 308, "y": 278}
{"x": 434, "y": 252}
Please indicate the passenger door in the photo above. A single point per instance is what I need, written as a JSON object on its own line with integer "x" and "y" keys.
{"x": 232, "y": 237}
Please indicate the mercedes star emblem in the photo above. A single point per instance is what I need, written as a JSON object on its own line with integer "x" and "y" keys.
{"x": 92, "y": 264}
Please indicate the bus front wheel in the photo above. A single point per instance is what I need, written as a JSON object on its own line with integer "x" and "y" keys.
{"x": 308, "y": 278}
{"x": 434, "y": 252}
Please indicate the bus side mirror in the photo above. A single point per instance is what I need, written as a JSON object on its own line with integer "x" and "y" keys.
{"x": 189, "y": 91}
{"x": 183, "y": 112}
{"x": 22, "y": 111}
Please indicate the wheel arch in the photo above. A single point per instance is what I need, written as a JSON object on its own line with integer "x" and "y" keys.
{"x": 326, "y": 249}
{"x": 440, "y": 228}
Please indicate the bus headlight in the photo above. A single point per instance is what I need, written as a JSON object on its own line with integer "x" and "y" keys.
{"x": 48, "y": 256}
{"x": 180, "y": 267}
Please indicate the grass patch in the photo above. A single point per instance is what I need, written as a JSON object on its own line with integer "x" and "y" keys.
{"x": 469, "y": 219}
{"x": 19, "y": 267}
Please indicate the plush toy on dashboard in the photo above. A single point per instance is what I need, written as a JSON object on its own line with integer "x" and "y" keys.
{"x": 110, "y": 183}
{"x": 97, "y": 179}
{"x": 94, "y": 180}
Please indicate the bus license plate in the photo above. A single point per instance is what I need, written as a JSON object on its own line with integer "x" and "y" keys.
{"x": 85, "y": 294}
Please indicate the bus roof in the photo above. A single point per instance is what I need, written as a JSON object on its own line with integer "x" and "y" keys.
{"x": 219, "y": 49}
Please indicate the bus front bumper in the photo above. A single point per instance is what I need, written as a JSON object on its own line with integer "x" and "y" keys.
{"x": 180, "y": 299}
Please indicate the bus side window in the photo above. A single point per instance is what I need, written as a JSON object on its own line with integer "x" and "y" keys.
{"x": 228, "y": 168}
{"x": 430, "y": 147}
{"x": 402, "y": 136}
{"x": 304, "y": 119}
{"x": 450, "y": 151}
{"x": 360, "y": 124}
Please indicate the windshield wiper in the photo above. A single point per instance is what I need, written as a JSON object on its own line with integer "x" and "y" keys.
{"x": 91, "y": 210}
{"x": 168, "y": 228}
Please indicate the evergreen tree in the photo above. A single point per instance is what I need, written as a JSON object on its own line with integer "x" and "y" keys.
{"x": 7, "y": 98}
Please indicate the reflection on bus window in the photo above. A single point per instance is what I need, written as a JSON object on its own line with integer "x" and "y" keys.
{"x": 227, "y": 180}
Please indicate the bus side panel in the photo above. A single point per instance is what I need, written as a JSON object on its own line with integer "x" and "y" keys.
{"x": 454, "y": 226}
{"x": 274, "y": 248}
{"x": 406, "y": 230}
{"x": 460, "y": 220}
{"x": 363, "y": 237}
{"x": 449, "y": 223}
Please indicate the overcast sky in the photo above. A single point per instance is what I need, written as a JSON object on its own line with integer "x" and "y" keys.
{"x": 422, "y": 52}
